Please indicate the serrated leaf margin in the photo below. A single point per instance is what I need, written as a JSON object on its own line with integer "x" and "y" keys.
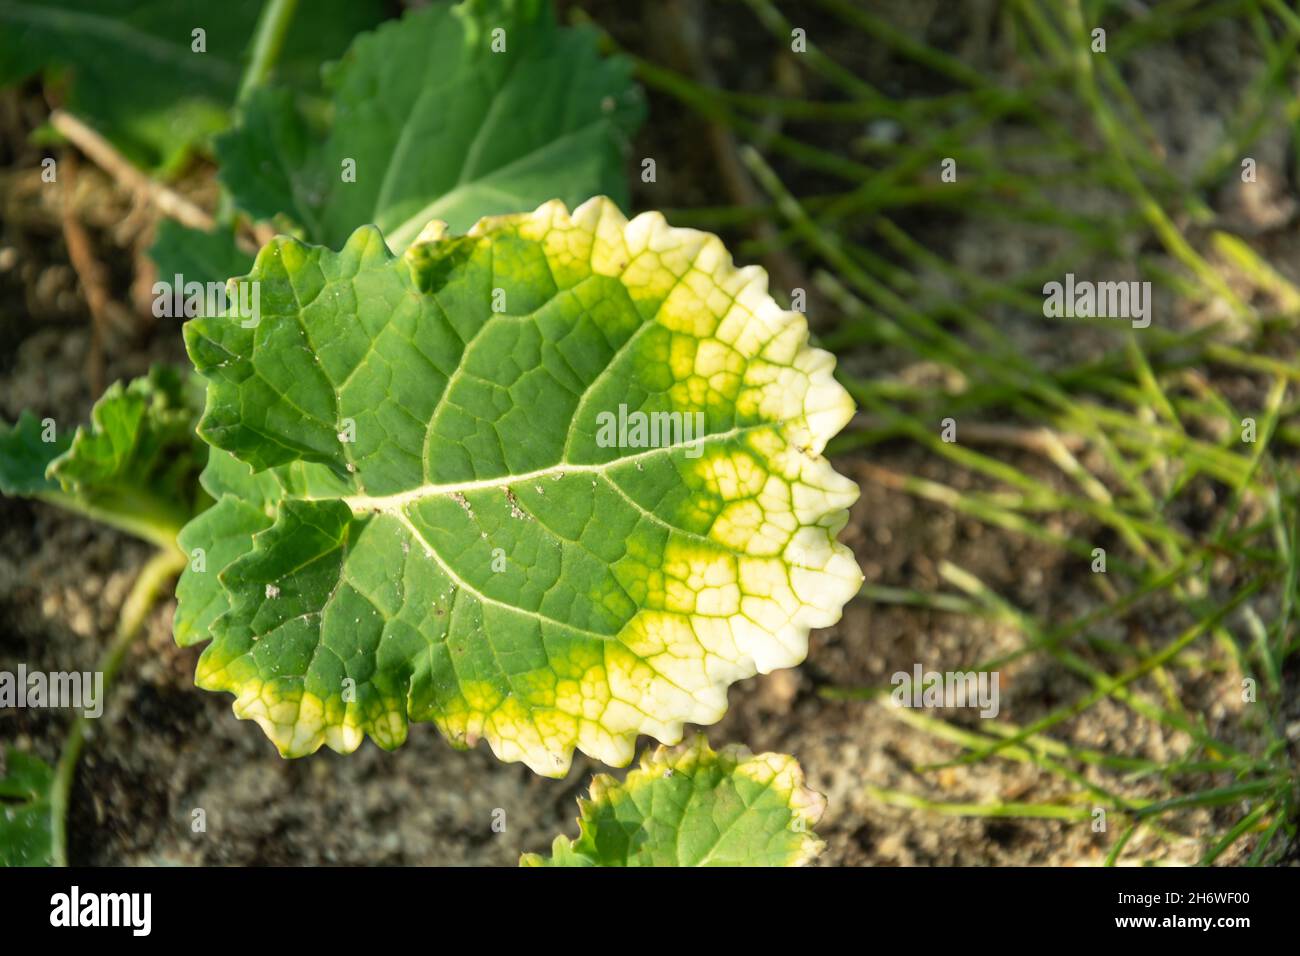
{"x": 775, "y": 770}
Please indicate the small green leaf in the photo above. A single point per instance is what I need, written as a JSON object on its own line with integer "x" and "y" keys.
{"x": 689, "y": 806}
{"x": 26, "y": 836}
{"x": 136, "y": 466}
{"x": 453, "y": 113}
{"x": 141, "y": 452}
{"x": 443, "y": 526}
{"x": 134, "y": 69}
{"x": 24, "y": 455}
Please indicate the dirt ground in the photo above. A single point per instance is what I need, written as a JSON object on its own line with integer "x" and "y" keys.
{"x": 164, "y": 749}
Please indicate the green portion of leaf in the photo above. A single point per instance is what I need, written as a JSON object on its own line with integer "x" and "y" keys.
{"x": 444, "y": 525}
{"x": 26, "y": 836}
{"x": 214, "y": 539}
{"x": 135, "y": 72}
{"x": 689, "y": 806}
{"x": 24, "y": 454}
{"x": 197, "y": 256}
{"x": 439, "y": 125}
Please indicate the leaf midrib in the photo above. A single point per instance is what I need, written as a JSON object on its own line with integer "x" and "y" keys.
{"x": 391, "y": 504}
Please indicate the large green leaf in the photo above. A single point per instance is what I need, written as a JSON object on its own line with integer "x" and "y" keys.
{"x": 454, "y": 535}
{"x": 136, "y": 466}
{"x": 135, "y": 74}
{"x": 440, "y": 126}
{"x": 26, "y": 836}
{"x": 689, "y": 806}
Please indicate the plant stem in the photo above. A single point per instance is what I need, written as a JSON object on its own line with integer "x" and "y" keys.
{"x": 272, "y": 27}
{"x": 149, "y": 586}
{"x": 137, "y": 517}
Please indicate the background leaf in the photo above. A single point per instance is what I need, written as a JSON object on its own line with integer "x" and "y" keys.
{"x": 26, "y": 838}
{"x": 449, "y": 538}
{"x": 689, "y": 806}
{"x": 196, "y": 255}
{"x": 24, "y": 457}
{"x": 130, "y": 69}
{"x": 441, "y": 127}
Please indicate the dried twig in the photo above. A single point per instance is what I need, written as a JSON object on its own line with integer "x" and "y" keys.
{"x": 90, "y": 271}
{"x": 165, "y": 200}
{"x": 105, "y": 156}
